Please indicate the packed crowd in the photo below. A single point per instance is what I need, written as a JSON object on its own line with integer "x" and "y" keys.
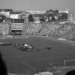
{"x": 66, "y": 31}
{"x": 51, "y": 23}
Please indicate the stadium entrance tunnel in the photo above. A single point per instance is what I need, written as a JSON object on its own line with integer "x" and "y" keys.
{"x": 72, "y": 72}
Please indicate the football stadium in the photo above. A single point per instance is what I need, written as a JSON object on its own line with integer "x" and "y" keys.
{"x": 37, "y": 42}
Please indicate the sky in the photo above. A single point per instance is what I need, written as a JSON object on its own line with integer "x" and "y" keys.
{"x": 37, "y": 5}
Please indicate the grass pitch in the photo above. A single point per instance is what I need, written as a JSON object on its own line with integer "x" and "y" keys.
{"x": 28, "y": 62}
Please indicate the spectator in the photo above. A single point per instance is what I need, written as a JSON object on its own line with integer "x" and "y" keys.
{"x": 3, "y": 69}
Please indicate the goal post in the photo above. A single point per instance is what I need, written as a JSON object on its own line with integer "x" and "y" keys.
{"x": 69, "y": 62}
